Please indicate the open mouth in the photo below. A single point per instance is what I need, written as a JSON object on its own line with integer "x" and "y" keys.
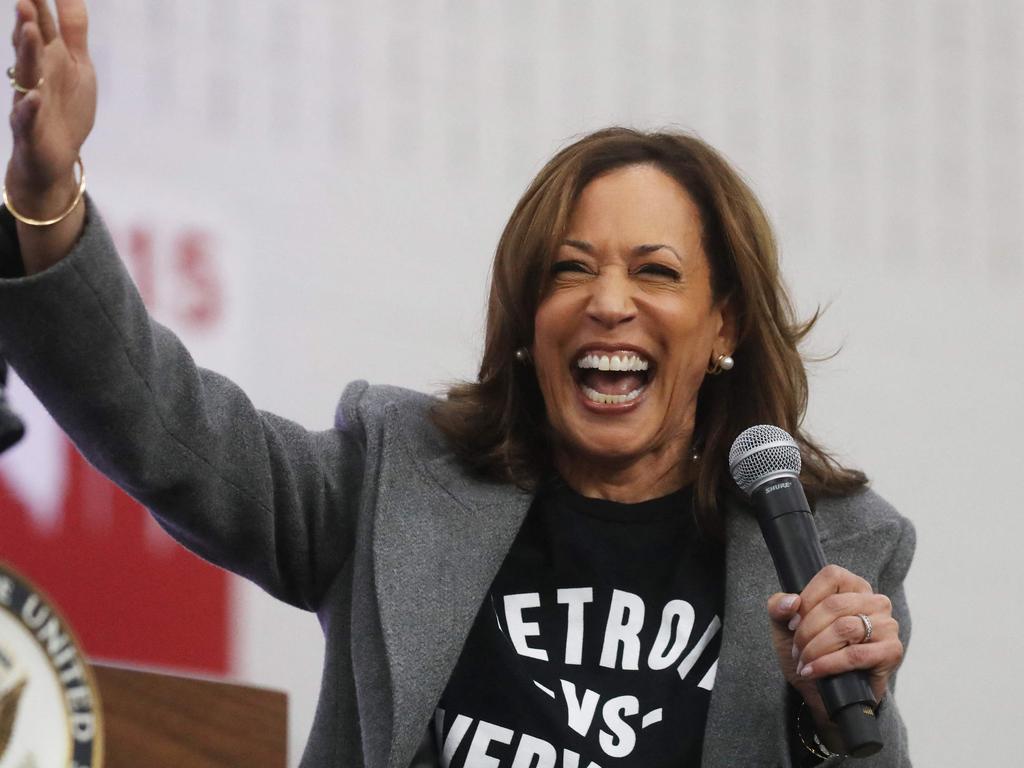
{"x": 614, "y": 378}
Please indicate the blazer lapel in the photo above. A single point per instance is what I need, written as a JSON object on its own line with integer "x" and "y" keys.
{"x": 746, "y": 715}
{"x": 438, "y": 542}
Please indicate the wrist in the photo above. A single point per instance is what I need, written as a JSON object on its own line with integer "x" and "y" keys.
{"x": 41, "y": 200}
{"x": 817, "y": 733}
{"x": 828, "y": 734}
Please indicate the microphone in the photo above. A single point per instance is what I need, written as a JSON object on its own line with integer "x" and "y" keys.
{"x": 765, "y": 463}
{"x": 12, "y": 429}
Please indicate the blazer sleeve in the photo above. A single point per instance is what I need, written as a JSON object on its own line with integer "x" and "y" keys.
{"x": 247, "y": 490}
{"x": 890, "y": 583}
{"x": 890, "y": 580}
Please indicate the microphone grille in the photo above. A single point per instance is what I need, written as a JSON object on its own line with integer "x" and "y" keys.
{"x": 762, "y": 453}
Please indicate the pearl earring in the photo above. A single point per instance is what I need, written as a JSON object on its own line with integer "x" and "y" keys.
{"x": 523, "y": 356}
{"x": 719, "y": 364}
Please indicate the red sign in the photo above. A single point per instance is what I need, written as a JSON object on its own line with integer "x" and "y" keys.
{"x": 128, "y": 591}
{"x": 127, "y": 596}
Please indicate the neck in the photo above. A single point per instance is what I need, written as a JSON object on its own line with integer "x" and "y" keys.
{"x": 627, "y": 481}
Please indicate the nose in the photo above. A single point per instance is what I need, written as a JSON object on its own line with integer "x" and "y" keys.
{"x": 611, "y": 300}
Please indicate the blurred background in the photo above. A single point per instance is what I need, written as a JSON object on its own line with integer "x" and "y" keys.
{"x": 310, "y": 193}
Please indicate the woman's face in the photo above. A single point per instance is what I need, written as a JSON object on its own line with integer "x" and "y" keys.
{"x": 625, "y": 333}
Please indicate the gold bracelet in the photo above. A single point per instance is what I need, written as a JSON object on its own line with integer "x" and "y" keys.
{"x": 50, "y": 222}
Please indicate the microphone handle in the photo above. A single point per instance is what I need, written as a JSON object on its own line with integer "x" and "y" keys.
{"x": 792, "y": 538}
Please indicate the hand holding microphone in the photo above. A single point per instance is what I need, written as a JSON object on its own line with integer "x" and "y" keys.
{"x": 836, "y": 640}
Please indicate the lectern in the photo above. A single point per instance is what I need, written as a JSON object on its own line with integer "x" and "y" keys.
{"x": 158, "y": 720}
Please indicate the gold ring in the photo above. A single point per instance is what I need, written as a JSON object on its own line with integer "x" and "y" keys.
{"x": 18, "y": 86}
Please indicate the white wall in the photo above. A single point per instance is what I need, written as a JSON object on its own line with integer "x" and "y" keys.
{"x": 359, "y": 159}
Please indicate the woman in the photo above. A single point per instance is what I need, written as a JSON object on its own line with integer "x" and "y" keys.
{"x": 549, "y": 567}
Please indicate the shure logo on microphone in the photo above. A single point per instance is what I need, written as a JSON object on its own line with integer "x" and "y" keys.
{"x": 777, "y": 486}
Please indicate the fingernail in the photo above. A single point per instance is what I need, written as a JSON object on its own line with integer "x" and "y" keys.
{"x": 794, "y": 623}
{"x": 787, "y": 602}
{"x": 796, "y": 651}
{"x": 805, "y": 671}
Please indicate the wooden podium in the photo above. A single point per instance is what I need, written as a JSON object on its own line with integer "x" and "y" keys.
{"x": 157, "y": 720}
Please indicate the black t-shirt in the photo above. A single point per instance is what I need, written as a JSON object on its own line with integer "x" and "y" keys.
{"x": 597, "y": 644}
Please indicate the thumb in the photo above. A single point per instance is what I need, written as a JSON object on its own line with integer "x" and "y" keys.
{"x": 783, "y": 607}
{"x": 23, "y": 116}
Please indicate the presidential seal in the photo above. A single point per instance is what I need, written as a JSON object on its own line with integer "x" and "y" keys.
{"x": 49, "y": 706}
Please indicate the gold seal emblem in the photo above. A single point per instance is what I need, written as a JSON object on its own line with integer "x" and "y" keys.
{"x": 49, "y": 707}
{"x": 12, "y": 684}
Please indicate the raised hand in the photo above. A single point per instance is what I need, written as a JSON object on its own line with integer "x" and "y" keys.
{"x": 49, "y": 122}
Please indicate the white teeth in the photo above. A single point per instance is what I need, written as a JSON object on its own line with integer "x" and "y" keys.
{"x": 625, "y": 362}
{"x": 598, "y": 397}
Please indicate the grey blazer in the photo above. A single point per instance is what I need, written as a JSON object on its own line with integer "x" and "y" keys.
{"x": 373, "y": 524}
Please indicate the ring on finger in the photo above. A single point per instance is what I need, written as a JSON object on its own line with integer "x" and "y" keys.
{"x": 18, "y": 86}
{"x": 868, "y": 627}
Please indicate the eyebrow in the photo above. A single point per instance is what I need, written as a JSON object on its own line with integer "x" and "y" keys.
{"x": 644, "y": 248}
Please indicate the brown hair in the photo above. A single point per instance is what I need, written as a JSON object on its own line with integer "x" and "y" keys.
{"x": 497, "y": 424}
